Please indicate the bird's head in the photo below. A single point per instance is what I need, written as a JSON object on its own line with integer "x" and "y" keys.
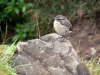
{"x": 60, "y": 17}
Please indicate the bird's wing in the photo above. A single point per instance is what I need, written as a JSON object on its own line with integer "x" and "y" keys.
{"x": 66, "y": 23}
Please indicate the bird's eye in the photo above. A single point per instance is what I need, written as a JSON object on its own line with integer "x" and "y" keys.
{"x": 58, "y": 19}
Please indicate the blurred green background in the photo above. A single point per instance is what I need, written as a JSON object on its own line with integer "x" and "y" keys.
{"x": 27, "y": 19}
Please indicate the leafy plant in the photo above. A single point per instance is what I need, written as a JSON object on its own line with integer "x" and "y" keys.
{"x": 25, "y": 31}
{"x": 12, "y": 8}
{"x": 12, "y": 12}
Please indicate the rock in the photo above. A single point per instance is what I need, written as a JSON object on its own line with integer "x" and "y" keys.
{"x": 47, "y": 56}
{"x": 82, "y": 70}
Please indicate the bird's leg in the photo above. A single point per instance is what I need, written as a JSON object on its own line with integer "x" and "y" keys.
{"x": 61, "y": 39}
{"x": 65, "y": 37}
{"x": 68, "y": 36}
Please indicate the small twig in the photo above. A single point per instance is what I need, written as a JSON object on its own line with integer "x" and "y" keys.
{"x": 23, "y": 65}
{"x": 6, "y": 32}
{"x": 5, "y": 36}
{"x": 1, "y": 33}
{"x": 6, "y": 40}
{"x": 79, "y": 43}
{"x": 38, "y": 29}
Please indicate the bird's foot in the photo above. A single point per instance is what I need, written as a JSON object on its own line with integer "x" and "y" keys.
{"x": 61, "y": 39}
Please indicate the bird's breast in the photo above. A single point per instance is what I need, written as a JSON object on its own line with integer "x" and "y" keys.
{"x": 60, "y": 29}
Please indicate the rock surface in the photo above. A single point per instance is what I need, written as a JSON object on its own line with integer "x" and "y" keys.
{"x": 48, "y": 55}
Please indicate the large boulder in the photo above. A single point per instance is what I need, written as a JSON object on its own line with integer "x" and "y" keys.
{"x": 49, "y": 55}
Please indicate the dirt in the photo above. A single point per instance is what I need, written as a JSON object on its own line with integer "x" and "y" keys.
{"x": 86, "y": 37}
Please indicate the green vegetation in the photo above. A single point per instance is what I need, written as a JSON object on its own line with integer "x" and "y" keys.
{"x": 12, "y": 14}
{"x": 6, "y": 55}
{"x": 10, "y": 9}
{"x": 93, "y": 66}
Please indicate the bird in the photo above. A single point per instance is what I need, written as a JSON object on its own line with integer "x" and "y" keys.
{"x": 62, "y": 26}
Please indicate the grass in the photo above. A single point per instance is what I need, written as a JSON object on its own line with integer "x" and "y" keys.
{"x": 6, "y": 67}
{"x": 93, "y": 65}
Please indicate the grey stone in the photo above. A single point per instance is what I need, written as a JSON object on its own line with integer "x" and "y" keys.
{"x": 47, "y": 56}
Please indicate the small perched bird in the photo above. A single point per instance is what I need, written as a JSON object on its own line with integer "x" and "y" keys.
{"x": 62, "y": 26}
